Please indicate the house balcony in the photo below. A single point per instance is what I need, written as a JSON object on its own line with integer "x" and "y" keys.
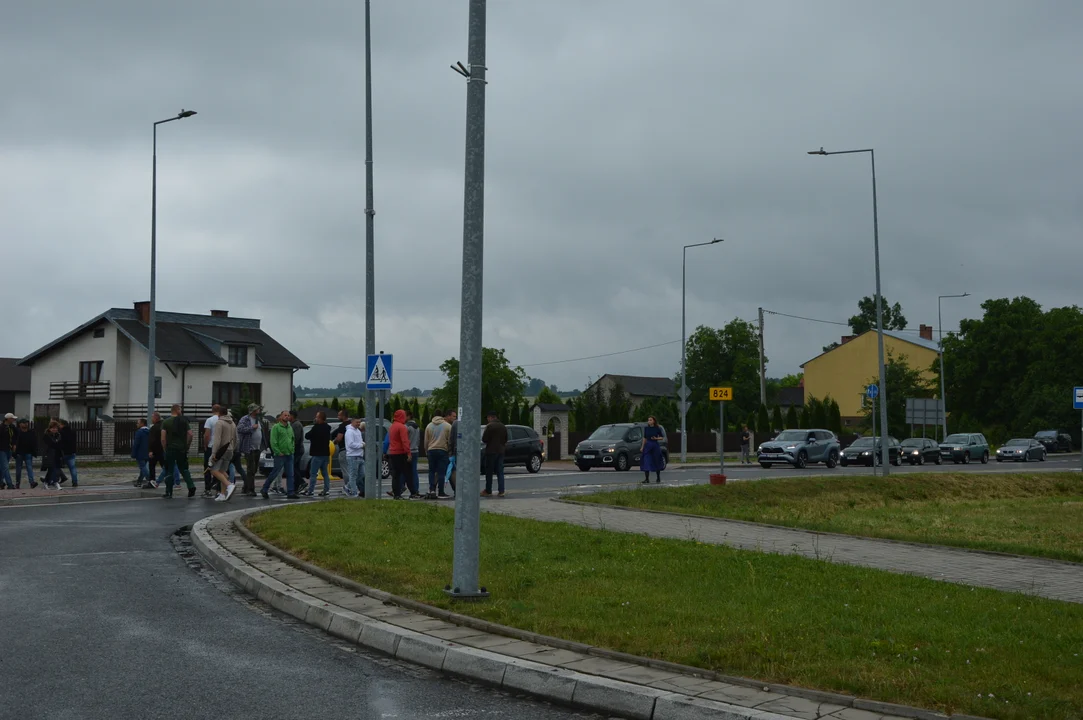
{"x": 79, "y": 391}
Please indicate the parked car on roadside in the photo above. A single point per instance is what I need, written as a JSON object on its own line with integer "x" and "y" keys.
{"x": 1021, "y": 449}
{"x": 867, "y": 451}
{"x": 799, "y": 448}
{"x": 617, "y": 446}
{"x": 917, "y": 450}
{"x": 1054, "y": 440}
{"x": 964, "y": 447}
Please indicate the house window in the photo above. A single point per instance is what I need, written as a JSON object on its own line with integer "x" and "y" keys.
{"x": 238, "y": 356}
{"x": 90, "y": 372}
{"x": 99, "y": 332}
{"x": 93, "y": 413}
{"x": 231, "y": 394}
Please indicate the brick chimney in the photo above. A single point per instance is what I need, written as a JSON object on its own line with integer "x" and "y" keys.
{"x": 846, "y": 339}
{"x": 926, "y": 332}
{"x": 220, "y": 313}
{"x": 142, "y": 309}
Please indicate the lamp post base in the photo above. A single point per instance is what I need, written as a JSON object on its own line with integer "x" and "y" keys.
{"x": 455, "y": 594}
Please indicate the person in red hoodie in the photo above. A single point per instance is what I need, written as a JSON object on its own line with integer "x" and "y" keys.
{"x": 398, "y": 454}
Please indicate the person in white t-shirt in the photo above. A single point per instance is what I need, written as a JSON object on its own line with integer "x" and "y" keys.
{"x": 209, "y": 483}
{"x": 355, "y": 459}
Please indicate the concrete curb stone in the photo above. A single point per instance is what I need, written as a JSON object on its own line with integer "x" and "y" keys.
{"x": 594, "y": 691}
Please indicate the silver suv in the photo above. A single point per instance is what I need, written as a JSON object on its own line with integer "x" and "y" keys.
{"x": 801, "y": 447}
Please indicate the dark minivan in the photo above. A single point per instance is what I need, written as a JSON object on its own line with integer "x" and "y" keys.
{"x": 1054, "y": 440}
{"x": 617, "y": 446}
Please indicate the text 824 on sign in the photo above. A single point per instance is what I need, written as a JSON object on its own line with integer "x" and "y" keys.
{"x": 721, "y": 393}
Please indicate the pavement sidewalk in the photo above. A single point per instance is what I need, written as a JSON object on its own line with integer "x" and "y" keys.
{"x": 1012, "y": 573}
{"x": 566, "y": 672}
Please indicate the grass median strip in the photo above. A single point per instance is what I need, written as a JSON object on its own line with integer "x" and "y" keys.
{"x": 780, "y": 619}
{"x": 1037, "y": 514}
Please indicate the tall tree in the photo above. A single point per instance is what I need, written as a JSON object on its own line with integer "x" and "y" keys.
{"x": 791, "y": 380}
{"x": 818, "y": 413}
{"x": 618, "y": 406}
{"x": 763, "y": 420}
{"x": 501, "y": 384}
{"x": 834, "y": 418}
{"x": 664, "y": 411}
{"x": 806, "y": 418}
{"x": 866, "y": 316}
{"x": 776, "y": 419}
{"x": 546, "y": 395}
{"x": 724, "y": 356}
{"x": 791, "y": 418}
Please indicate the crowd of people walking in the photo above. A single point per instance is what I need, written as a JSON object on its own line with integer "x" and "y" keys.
{"x": 233, "y": 451}
{"x": 19, "y": 442}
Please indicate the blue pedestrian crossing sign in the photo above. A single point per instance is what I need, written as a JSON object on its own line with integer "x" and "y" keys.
{"x": 378, "y": 372}
{"x": 1078, "y": 394}
{"x": 872, "y": 391}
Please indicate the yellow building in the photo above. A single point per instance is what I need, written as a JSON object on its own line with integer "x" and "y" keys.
{"x": 844, "y": 372}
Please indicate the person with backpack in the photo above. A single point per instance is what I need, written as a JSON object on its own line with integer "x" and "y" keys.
{"x": 177, "y": 438}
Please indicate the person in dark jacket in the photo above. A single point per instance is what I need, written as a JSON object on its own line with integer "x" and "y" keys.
{"x": 141, "y": 449}
{"x": 415, "y": 450}
{"x": 8, "y": 432}
{"x": 26, "y": 448}
{"x": 67, "y": 448}
{"x": 54, "y": 455}
{"x": 319, "y": 453}
{"x": 495, "y": 437}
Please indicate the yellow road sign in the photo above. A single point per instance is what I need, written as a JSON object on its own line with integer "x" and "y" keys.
{"x": 721, "y": 393}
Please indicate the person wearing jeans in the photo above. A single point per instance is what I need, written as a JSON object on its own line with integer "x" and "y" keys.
{"x": 355, "y": 456}
{"x": 437, "y": 435}
{"x": 67, "y": 448}
{"x": 495, "y": 438}
{"x": 141, "y": 450}
{"x": 26, "y": 447}
{"x": 319, "y": 451}
{"x": 398, "y": 454}
{"x": 282, "y": 450}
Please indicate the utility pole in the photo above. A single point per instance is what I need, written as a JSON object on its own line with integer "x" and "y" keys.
{"x": 465, "y": 570}
{"x": 763, "y": 370}
{"x": 372, "y": 437}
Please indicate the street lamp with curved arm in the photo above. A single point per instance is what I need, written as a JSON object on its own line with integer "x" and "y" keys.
{"x": 940, "y": 325}
{"x": 684, "y": 387}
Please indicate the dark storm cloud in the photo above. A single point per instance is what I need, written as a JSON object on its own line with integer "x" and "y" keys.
{"x": 617, "y": 132}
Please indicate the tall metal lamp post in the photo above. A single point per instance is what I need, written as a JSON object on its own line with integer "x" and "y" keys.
{"x": 940, "y": 325}
{"x": 884, "y": 455}
{"x": 684, "y": 341}
{"x": 152, "y": 330}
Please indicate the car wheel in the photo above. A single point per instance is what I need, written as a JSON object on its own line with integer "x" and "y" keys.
{"x": 622, "y": 463}
{"x": 921, "y": 459}
{"x": 896, "y": 462}
{"x": 582, "y": 467}
{"x": 938, "y": 460}
{"x": 665, "y": 460}
{"x": 832, "y": 459}
{"x": 966, "y": 458}
{"x": 1041, "y": 458}
{"x": 842, "y": 462}
{"x": 385, "y": 469}
{"x": 985, "y": 457}
{"x": 802, "y": 460}
{"x": 534, "y": 464}
{"x": 765, "y": 466}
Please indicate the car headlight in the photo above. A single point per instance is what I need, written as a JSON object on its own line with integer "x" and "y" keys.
{"x": 957, "y": 448}
{"x": 759, "y": 449}
{"x": 609, "y": 449}
{"x": 791, "y": 447}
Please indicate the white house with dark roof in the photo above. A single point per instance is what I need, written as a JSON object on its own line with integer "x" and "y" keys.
{"x": 100, "y": 367}
{"x": 14, "y": 388}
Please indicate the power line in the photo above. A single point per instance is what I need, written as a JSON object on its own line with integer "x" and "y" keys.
{"x": 836, "y": 322}
{"x": 538, "y": 364}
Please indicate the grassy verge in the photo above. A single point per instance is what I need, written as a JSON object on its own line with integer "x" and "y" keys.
{"x": 1030, "y": 514}
{"x": 781, "y": 619}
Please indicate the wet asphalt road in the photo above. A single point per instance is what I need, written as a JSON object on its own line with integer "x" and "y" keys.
{"x": 107, "y": 615}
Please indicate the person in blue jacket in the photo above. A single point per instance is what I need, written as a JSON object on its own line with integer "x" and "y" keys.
{"x": 141, "y": 450}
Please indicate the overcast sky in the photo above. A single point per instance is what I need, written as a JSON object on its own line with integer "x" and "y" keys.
{"x": 617, "y": 131}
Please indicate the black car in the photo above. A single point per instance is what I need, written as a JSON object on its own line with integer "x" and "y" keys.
{"x": 917, "y": 450}
{"x": 1021, "y": 450}
{"x": 869, "y": 451}
{"x": 1054, "y": 440}
{"x": 524, "y": 448}
{"x": 617, "y": 446}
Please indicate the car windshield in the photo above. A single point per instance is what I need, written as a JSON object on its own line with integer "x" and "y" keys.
{"x": 913, "y": 442}
{"x": 608, "y": 432}
{"x": 862, "y": 442}
{"x": 792, "y": 436}
{"x": 1018, "y": 441}
{"x": 957, "y": 439}
{"x": 1047, "y": 434}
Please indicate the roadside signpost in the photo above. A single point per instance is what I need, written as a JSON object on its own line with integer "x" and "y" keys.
{"x": 871, "y": 392}
{"x": 378, "y": 377}
{"x": 1077, "y": 403}
{"x": 721, "y": 394}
